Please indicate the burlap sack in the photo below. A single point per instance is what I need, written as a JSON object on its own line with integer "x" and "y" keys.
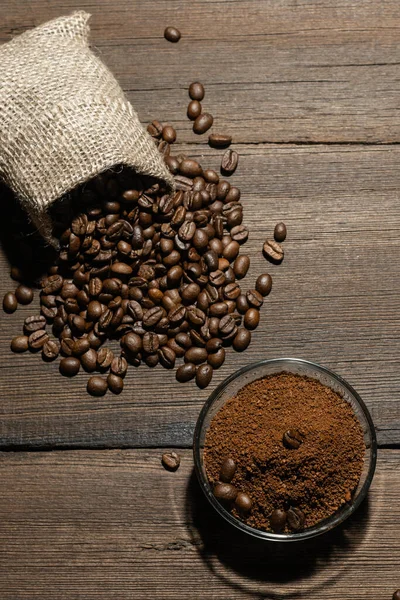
{"x": 64, "y": 117}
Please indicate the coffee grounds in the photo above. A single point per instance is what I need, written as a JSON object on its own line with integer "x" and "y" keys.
{"x": 318, "y": 477}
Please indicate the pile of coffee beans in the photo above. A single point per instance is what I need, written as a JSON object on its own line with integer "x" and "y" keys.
{"x": 157, "y": 270}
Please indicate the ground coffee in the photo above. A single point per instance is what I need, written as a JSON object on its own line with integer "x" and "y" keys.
{"x": 291, "y": 445}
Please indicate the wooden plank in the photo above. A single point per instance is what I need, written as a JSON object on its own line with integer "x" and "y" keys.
{"x": 274, "y": 71}
{"x": 334, "y": 301}
{"x": 86, "y": 525}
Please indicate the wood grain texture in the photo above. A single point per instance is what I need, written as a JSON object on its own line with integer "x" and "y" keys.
{"x": 315, "y": 71}
{"x": 334, "y": 301}
{"x": 84, "y": 525}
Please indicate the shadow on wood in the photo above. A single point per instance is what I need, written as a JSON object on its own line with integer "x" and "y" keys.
{"x": 267, "y": 569}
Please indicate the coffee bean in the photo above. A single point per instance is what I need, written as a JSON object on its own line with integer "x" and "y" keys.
{"x": 193, "y": 110}
{"x": 155, "y": 129}
{"x": 186, "y": 372}
{"x": 228, "y": 470}
{"x": 295, "y": 518}
{"x": 152, "y": 316}
{"x": 196, "y": 355}
{"x": 96, "y": 386}
{"x": 195, "y": 316}
{"x": 232, "y": 291}
{"x": 242, "y": 339}
{"x": 227, "y": 325}
{"x": 19, "y": 343}
{"x": 69, "y": 366}
{"x": 280, "y": 232}
{"x": 233, "y": 195}
{"x": 225, "y": 492}
{"x": 229, "y": 162}
{"x": 167, "y": 357}
{"x": 241, "y": 266}
{"x": 204, "y": 375}
{"x": 17, "y": 274}
{"x": 50, "y": 350}
{"x": 218, "y": 140}
{"x": 396, "y": 595}
{"x": 24, "y": 294}
{"x": 203, "y": 123}
{"x": 251, "y": 319}
{"x": 292, "y": 439}
{"x": 105, "y": 356}
{"x": 119, "y": 366}
{"x": 170, "y": 461}
{"x": 243, "y": 503}
{"x": 169, "y": 134}
{"x": 89, "y": 360}
{"x": 37, "y": 339}
{"x": 121, "y": 269}
{"x": 277, "y": 520}
{"x": 10, "y": 303}
{"x": 151, "y": 342}
{"x": 240, "y": 234}
{"x": 52, "y": 284}
{"x": 190, "y": 168}
{"x": 200, "y": 239}
{"x": 67, "y": 346}
{"x": 264, "y": 284}
{"x": 94, "y": 310}
{"x": 217, "y": 359}
{"x": 217, "y": 278}
{"x": 254, "y": 298}
{"x": 231, "y": 251}
{"x": 132, "y": 343}
{"x": 273, "y": 251}
{"x": 196, "y": 91}
{"x": 213, "y": 345}
{"x": 172, "y": 34}
{"x": 219, "y": 309}
{"x": 81, "y": 346}
{"x": 242, "y": 305}
{"x": 115, "y": 383}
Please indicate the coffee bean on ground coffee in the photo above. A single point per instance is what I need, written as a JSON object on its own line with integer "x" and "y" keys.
{"x": 292, "y": 445}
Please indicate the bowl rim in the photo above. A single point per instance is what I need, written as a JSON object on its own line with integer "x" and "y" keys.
{"x": 321, "y": 527}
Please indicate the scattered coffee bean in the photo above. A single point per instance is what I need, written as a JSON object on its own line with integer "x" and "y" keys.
{"x": 196, "y": 91}
{"x": 96, "y": 386}
{"x": 251, "y": 319}
{"x": 24, "y": 294}
{"x": 264, "y": 284}
{"x": 225, "y": 493}
{"x": 241, "y": 340}
{"x": 280, "y": 232}
{"x": 254, "y": 298}
{"x": 292, "y": 439}
{"x": 170, "y": 461}
{"x": 243, "y": 503}
{"x": 172, "y": 34}
{"x": 204, "y": 375}
{"x": 295, "y": 518}
{"x": 10, "y": 303}
{"x": 50, "y": 350}
{"x": 273, "y": 251}
{"x": 228, "y": 469}
{"x": 69, "y": 366}
{"x": 33, "y": 323}
{"x": 89, "y": 360}
{"x": 229, "y": 162}
{"x": 20, "y": 343}
{"x": 217, "y": 359}
{"x": 396, "y": 595}
{"x": 16, "y": 273}
{"x": 169, "y": 134}
{"x": 119, "y": 366}
{"x": 217, "y": 140}
{"x": 37, "y": 339}
{"x": 186, "y": 372}
{"x": 203, "y": 123}
{"x": 193, "y": 110}
{"x": 241, "y": 266}
{"x": 115, "y": 383}
{"x": 277, "y": 520}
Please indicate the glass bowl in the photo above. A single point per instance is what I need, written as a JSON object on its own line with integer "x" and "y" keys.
{"x": 230, "y": 386}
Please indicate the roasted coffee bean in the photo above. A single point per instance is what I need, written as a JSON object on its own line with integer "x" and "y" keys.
{"x": 217, "y": 278}
{"x": 233, "y": 195}
{"x": 183, "y": 183}
{"x": 241, "y": 340}
{"x": 228, "y": 470}
{"x": 167, "y": 357}
{"x": 204, "y": 375}
{"x": 81, "y": 346}
{"x": 119, "y": 366}
{"x": 67, "y": 346}
{"x": 292, "y": 439}
{"x": 251, "y": 319}
{"x": 232, "y": 291}
{"x": 186, "y": 372}
{"x": 273, "y": 251}
{"x": 225, "y": 492}
{"x": 277, "y": 520}
{"x": 196, "y": 91}
{"x": 213, "y": 345}
{"x": 172, "y": 34}
{"x": 190, "y": 293}
{"x": 219, "y": 140}
{"x": 17, "y": 274}
{"x": 396, "y": 595}
{"x": 183, "y": 340}
{"x": 150, "y": 342}
{"x": 94, "y": 310}
{"x": 89, "y": 360}
{"x": 242, "y": 305}
{"x": 264, "y": 284}
{"x": 177, "y": 315}
{"x": 169, "y": 134}
{"x": 152, "y": 316}
{"x": 50, "y": 350}
{"x": 227, "y": 325}
{"x": 195, "y": 316}
{"x": 193, "y": 110}
{"x": 190, "y": 168}
{"x": 217, "y": 359}
{"x": 132, "y": 342}
{"x": 213, "y": 326}
{"x": 69, "y": 366}
{"x": 115, "y": 383}
{"x": 196, "y": 355}
{"x": 211, "y": 260}
{"x": 280, "y": 232}
{"x": 219, "y": 309}
{"x": 240, "y": 234}
{"x": 243, "y": 503}
{"x": 187, "y": 230}
{"x": 241, "y": 266}
{"x": 203, "y": 123}
{"x": 254, "y": 298}
{"x": 229, "y": 162}
{"x": 10, "y": 303}
{"x": 52, "y": 284}
{"x": 37, "y": 339}
{"x": 170, "y": 461}
{"x": 200, "y": 239}
{"x": 295, "y": 518}
{"x": 105, "y": 356}
{"x": 95, "y": 287}
{"x": 155, "y": 129}
{"x": 19, "y": 343}
{"x": 97, "y": 386}
{"x": 231, "y": 251}
{"x": 24, "y": 294}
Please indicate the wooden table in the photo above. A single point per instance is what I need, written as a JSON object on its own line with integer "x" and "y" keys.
{"x": 310, "y": 91}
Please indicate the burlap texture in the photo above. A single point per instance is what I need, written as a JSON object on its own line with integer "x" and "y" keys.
{"x": 63, "y": 117}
